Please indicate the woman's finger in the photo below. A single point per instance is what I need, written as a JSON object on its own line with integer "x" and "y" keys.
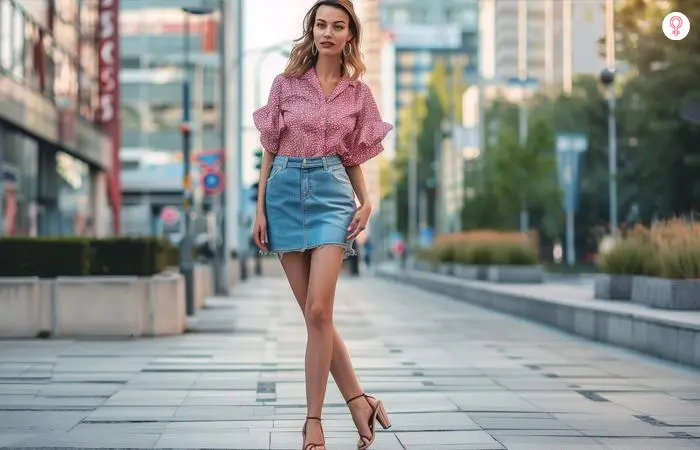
{"x": 263, "y": 237}
{"x": 256, "y": 237}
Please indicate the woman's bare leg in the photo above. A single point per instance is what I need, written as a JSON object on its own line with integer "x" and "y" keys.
{"x": 297, "y": 268}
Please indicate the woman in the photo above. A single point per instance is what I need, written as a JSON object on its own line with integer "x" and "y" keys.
{"x": 320, "y": 123}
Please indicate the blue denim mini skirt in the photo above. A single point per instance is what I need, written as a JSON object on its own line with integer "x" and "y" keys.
{"x": 309, "y": 203}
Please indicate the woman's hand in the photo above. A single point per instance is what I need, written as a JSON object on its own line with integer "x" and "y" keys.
{"x": 359, "y": 222}
{"x": 260, "y": 232}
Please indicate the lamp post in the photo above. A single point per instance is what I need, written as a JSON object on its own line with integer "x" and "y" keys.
{"x": 607, "y": 77}
{"x": 186, "y": 263}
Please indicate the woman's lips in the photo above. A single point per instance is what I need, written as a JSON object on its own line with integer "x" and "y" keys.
{"x": 326, "y": 44}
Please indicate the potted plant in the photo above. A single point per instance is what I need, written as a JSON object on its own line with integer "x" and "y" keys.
{"x": 515, "y": 262}
{"x": 677, "y": 283}
{"x": 628, "y": 258}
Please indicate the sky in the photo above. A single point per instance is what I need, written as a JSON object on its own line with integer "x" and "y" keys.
{"x": 268, "y": 22}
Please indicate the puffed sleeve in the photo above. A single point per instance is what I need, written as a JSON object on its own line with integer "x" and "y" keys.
{"x": 268, "y": 119}
{"x": 370, "y": 130}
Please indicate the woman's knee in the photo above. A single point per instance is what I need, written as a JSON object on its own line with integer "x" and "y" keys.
{"x": 318, "y": 313}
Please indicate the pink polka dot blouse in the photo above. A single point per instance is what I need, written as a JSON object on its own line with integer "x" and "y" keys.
{"x": 299, "y": 121}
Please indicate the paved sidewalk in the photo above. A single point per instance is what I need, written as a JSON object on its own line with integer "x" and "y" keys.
{"x": 453, "y": 376}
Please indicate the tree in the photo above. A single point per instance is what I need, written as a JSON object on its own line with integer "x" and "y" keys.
{"x": 421, "y": 123}
{"x": 664, "y": 76}
{"x": 512, "y": 173}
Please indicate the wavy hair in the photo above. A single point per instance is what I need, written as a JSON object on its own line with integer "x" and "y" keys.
{"x": 302, "y": 58}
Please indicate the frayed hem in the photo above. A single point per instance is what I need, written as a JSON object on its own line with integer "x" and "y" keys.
{"x": 349, "y": 251}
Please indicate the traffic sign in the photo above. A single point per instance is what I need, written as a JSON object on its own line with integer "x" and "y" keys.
{"x": 209, "y": 158}
{"x": 212, "y": 181}
{"x": 170, "y": 215}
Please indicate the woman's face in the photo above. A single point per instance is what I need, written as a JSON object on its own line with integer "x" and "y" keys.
{"x": 331, "y": 30}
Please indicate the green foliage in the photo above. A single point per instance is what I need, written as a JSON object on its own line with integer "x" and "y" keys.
{"x": 483, "y": 254}
{"x": 631, "y": 257}
{"x": 54, "y": 257}
{"x": 420, "y": 131}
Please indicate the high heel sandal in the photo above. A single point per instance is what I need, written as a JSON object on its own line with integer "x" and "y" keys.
{"x": 311, "y": 446}
{"x": 378, "y": 414}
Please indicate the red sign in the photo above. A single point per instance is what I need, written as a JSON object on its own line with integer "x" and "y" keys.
{"x": 108, "y": 51}
{"x": 169, "y": 215}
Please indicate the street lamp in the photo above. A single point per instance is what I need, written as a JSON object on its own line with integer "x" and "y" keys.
{"x": 607, "y": 78}
{"x": 186, "y": 263}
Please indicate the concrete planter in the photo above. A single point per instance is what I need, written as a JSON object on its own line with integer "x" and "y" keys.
{"x": 20, "y": 303}
{"x": 93, "y": 306}
{"x": 469, "y": 272}
{"x": 515, "y": 274}
{"x": 423, "y": 265}
{"x": 613, "y": 287}
{"x": 445, "y": 269}
{"x": 663, "y": 293}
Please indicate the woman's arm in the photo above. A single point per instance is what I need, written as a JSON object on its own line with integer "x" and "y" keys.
{"x": 265, "y": 167}
{"x": 359, "y": 222}
{"x": 357, "y": 179}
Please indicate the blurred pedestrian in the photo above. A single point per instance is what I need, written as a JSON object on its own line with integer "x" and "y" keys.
{"x": 367, "y": 249}
{"x": 319, "y": 125}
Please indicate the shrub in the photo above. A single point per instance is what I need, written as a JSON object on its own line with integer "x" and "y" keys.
{"x": 669, "y": 249}
{"x": 490, "y": 249}
{"x": 509, "y": 254}
{"x": 678, "y": 246}
{"x": 631, "y": 256}
{"x": 44, "y": 257}
{"x": 54, "y": 257}
{"x": 445, "y": 253}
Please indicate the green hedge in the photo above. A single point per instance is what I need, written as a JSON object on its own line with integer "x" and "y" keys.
{"x": 53, "y": 257}
{"x": 481, "y": 254}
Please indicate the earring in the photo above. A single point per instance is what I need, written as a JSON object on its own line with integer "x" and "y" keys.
{"x": 314, "y": 50}
{"x": 347, "y": 47}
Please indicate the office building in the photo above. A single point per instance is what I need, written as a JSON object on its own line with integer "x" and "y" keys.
{"x": 561, "y": 40}
{"x": 154, "y": 49}
{"x": 425, "y": 33}
{"x": 56, "y": 156}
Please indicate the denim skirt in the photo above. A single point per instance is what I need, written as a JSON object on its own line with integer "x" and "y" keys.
{"x": 309, "y": 203}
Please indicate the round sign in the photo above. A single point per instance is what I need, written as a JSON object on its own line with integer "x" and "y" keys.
{"x": 213, "y": 182}
{"x": 169, "y": 215}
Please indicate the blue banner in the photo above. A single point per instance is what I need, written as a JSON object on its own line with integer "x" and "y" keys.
{"x": 570, "y": 148}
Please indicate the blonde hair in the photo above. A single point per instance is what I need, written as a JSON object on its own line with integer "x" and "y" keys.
{"x": 302, "y": 58}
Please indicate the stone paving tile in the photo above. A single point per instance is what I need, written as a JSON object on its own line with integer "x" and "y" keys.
{"x": 453, "y": 376}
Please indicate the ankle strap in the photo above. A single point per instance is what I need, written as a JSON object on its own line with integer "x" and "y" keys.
{"x": 356, "y": 397}
{"x": 314, "y": 418}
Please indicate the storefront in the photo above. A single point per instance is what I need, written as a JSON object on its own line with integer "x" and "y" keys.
{"x": 46, "y": 191}
{"x": 55, "y": 155}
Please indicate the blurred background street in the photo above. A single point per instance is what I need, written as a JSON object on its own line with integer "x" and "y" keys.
{"x": 530, "y": 275}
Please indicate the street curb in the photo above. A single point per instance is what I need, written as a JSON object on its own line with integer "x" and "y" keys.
{"x": 624, "y": 325}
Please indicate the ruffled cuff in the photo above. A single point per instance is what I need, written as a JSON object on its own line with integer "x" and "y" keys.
{"x": 367, "y": 143}
{"x": 269, "y": 122}
{"x": 268, "y": 119}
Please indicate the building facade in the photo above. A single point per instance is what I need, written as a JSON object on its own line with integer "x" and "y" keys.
{"x": 561, "y": 37}
{"x": 426, "y": 32}
{"x": 153, "y": 51}
{"x": 55, "y": 159}
{"x": 157, "y": 41}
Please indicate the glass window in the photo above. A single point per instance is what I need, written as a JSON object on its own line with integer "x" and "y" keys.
{"x": 406, "y": 59}
{"x": 406, "y": 78}
{"x": 18, "y": 173}
{"x": 169, "y": 117}
{"x": 74, "y": 191}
